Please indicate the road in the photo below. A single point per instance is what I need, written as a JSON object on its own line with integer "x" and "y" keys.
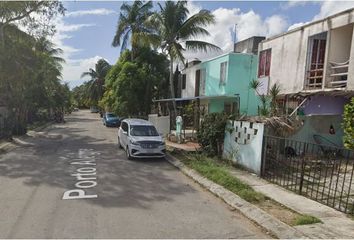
{"x": 135, "y": 199}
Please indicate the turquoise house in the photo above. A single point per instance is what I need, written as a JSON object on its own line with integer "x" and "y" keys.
{"x": 224, "y": 84}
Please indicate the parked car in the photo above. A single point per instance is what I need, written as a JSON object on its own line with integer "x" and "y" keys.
{"x": 75, "y": 109}
{"x": 110, "y": 120}
{"x": 140, "y": 139}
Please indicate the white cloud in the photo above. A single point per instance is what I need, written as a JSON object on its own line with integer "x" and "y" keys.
{"x": 275, "y": 24}
{"x": 248, "y": 24}
{"x": 98, "y": 11}
{"x": 62, "y": 27}
{"x": 73, "y": 68}
{"x": 293, "y": 3}
{"x": 327, "y": 8}
{"x": 331, "y": 7}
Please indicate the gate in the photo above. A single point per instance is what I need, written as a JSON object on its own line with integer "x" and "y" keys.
{"x": 320, "y": 172}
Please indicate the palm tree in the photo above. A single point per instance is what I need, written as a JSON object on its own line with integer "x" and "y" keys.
{"x": 96, "y": 84}
{"x": 175, "y": 32}
{"x": 131, "y": 22}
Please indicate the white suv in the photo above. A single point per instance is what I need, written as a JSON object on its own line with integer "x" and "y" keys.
{"x": 140, "y": 139}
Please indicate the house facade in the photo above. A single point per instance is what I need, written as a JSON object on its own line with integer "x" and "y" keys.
{"x": 313, "y": 67}
{"x": 189, "y": 78}
{"x": 225, "y": 84}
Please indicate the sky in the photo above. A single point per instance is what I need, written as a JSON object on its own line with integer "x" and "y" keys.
{"x": 86, "y": 31}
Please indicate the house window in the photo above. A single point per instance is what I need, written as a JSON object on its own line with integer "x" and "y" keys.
{"x": 202, "y": 81}
{"x": 184, "y": 81}
{"x": 264, "y": 63}
{"x": 315, "y": 66}
{"x": 223, "y": 69}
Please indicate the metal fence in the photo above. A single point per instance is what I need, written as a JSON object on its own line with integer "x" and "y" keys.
{"x": 320, "y": 172}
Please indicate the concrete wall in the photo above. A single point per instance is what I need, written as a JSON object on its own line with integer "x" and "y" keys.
{"x": 189, "y": 91}
{"x": 244, "y": 145}
{"x": 162, "y": 123}
{"x": 249, "y": 45}
{"x": 350, "y": 83}
{"x": 288, "y": 61}
{"x": 324, "y": 105}
{"x": 340, "y": 44}
{"x": 241, "y": 69}
{"x": 320, "y": 125}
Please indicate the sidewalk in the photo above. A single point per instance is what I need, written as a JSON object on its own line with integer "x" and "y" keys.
{"x": 188, "y": 147}
{"x": 6, "y": 146}
{"x": 335, "y": 224}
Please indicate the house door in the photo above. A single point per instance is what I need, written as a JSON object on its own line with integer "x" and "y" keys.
{"x": 197, "y": 83}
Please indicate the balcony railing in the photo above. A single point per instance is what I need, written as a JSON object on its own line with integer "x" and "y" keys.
{"x": 338, "y": 74}
{"x": 314, "y": 78}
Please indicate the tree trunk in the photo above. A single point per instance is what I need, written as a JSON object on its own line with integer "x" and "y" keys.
{"x": 172, "y": 86}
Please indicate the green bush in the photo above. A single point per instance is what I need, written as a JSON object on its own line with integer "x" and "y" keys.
{"x": 211, "y": 133}
{"x": 348, "y": 124}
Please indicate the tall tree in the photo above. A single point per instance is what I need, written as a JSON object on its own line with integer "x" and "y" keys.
{"x": 132, "y": 85}
{"x": 131, "y": 22}
{"x": 176, "y": 31}
{"x": 96, "y": 84}
{"x": 21, "y": 83}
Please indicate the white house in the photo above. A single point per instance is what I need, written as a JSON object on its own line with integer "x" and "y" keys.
{"x": 314, "y": 67}
{"x": 315, "y": 57}
{"x": 189, "y": 79}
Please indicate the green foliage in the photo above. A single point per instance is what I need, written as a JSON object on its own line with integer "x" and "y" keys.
{"x": 132, "y": 85}
{"x": 217, "y": 173}
{"x": 211, "y": 133}
{"x": 348, "y": 124}
{"x": 306, "y": 219}
{"x": 34, "y": 15}
{"x": 132, "y": 25}
{"x": 30, "y": 85}
{"x": 269, "y": 105}
{"x": 174, "y": 31}
{"x": 94, "y": 89}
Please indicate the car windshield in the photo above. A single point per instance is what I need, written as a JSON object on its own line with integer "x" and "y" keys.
{"x": 143, "y": 131}
{"x": 111, "y": 115}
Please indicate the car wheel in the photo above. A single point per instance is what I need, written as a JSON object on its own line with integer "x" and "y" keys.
{"x": 119, "y": 145}
{"x": 127, "y": 153}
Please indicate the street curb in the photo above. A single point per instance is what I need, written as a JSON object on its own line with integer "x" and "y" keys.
{"x": 252, "y": 212}
{"x": 7, "y": 146}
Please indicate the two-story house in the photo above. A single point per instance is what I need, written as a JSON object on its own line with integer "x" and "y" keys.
{"x": 220, "y": 84}
{"x": 314, "y": 68}
{"x": 225, "y": 83}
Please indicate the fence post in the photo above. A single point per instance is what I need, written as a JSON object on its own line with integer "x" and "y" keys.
{"x": 264, "y": 156}
{"x": 302, "y": 174}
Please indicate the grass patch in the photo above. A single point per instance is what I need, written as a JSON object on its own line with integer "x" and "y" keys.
{"x": 218, "y": 173}
{"x": 306, "y": 219}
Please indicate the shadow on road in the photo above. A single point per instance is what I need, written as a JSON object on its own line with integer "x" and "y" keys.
{"x": 120, "y": 182}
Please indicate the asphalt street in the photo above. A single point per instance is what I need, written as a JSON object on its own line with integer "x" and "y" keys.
{"x": 72, "y": 181}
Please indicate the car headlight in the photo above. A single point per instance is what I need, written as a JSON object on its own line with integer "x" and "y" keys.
{"x": 162, "y": 143}
{"x": 134, "y": 143}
